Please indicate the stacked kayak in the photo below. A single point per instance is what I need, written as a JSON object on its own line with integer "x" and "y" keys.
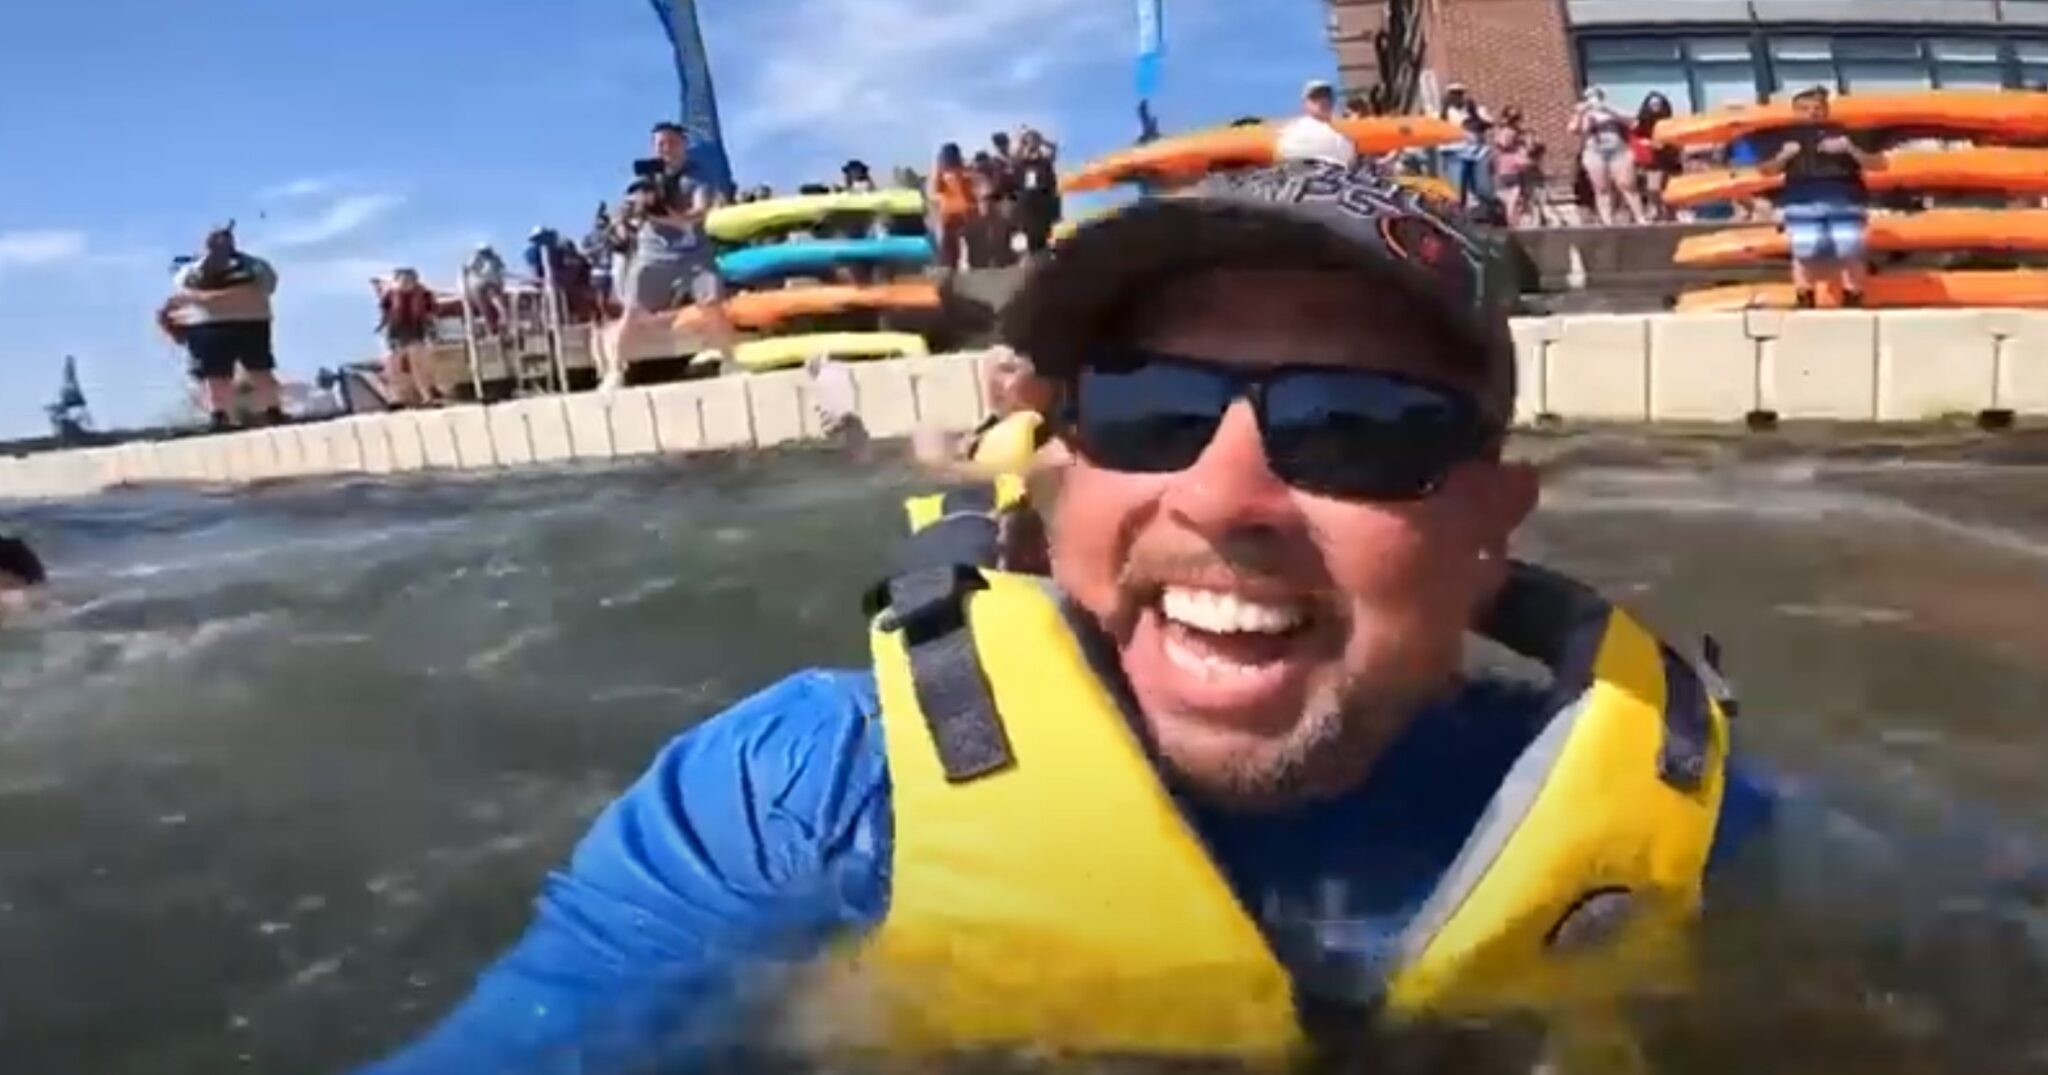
{"x": 1184, "y": 159}
{"x": 1983, "y": 118}
{"x": 825, "y": 275}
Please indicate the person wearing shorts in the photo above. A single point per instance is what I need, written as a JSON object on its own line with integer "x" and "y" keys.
{"x": 1610, "y": 169}
{"x": 672, "y": 261}
{"x": 223, "y": 304}
{"x": 1826, "y": 203}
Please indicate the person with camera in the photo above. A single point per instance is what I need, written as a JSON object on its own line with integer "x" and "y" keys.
{"x": 671, "y": 261}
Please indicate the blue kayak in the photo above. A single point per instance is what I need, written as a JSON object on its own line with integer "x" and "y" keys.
{"x": 815, "y": 256}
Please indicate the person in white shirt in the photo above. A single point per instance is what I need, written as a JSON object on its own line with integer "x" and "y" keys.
{"x": 1310, "y": 136}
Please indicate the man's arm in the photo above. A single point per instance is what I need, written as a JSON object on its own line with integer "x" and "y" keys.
{"x": 753, "y": 840}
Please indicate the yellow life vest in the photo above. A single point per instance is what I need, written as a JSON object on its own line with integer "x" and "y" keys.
{"x": 1047, "y": 891}
{"x": 1009, "y": 446}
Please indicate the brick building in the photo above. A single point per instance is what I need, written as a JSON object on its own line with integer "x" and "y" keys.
{"x": 1698, "y": 53}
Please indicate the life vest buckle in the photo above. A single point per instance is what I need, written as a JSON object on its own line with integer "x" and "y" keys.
{"x": 927, "y": 602}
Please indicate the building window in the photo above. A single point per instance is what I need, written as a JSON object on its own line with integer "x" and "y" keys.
{"x": 2033, "y": 63}
{"x": 1630, "y": 69}
{"x": 1799, "y": 63}
{"x": 1966, "y": 64}
{"x": 1883, "y": 65}
{"x": 1723, "y": 72}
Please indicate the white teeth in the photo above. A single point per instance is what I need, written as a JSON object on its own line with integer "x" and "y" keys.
{"x": 1225, "y": 613}
{"x": 1208, "y": 666}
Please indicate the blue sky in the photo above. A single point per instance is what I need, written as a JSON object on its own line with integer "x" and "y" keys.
{"x": 347, "y": 137}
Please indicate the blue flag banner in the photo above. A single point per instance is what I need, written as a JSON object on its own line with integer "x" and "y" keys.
{"x": 1151, "y": 46}
{"x": 699, "y": 115}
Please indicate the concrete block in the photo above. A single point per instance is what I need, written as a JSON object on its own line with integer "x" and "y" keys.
{"x": 288, "y": 444}
{"x": 702, "y": 415}
{"x": 1703, "y": 368}
{"x": 214, "y": 466}
{"x": 408, "y": 450}
{"x": 886, "y": 398}
{"x": 547, "y": 423}
{"x": 438, "y": 448}
{"x": 373, "y": 432}
{"x": 475, "y": 447}
{"x": 244, "y": 455}
{"x": 344, "y": 447}
{"x": 511, "y": 445}
{"x": 634, "y": 431}
{"x": 728, "y": 415}
{"x": 1598, "y": 367}
{"x": 137, "y": 463}
{"x": 1934, "y": 363}
{"x": 2022, "y": 360}
{"x": 779, "y": 405}
{"x": 1532, "y": 337}
{"x": 1821, "y": 364}
{"x": 948, "y": 390}
{"x": 590, "y": 424}
{"x": 316, "y": 449}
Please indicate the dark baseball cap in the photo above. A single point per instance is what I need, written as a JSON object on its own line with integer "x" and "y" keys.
{"x": 1298, "y": 215}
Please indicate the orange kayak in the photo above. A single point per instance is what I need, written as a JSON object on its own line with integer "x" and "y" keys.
{"x": 2002, "y": 114}
{"x": 763, "y": 309}
{"x": 2014, "y": 287}
{"x": 1189, "y": 157}
{"x": 1936, "y": 229}
{"x": 2019, "y": 171}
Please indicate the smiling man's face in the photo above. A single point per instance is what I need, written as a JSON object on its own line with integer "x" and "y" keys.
{"x": 1276, "y": 640}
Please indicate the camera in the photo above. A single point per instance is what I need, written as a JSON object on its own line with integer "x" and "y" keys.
{"x": 654, "y": 185}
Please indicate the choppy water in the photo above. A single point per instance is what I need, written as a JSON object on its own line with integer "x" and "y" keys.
{"x": 285, "y": 767}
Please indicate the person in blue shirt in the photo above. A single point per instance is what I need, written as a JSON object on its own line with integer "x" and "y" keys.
{"x": 1276, "y": 502}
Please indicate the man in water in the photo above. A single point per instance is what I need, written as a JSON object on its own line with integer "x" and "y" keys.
{"x": 223, "y": 304}
{"x": 1826, "y": 203}
{"x": 1009, "y": 440}
{"x": 21, "y": 573}
{"x": 1282, "y": 506}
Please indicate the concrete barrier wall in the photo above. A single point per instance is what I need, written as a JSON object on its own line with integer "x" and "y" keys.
{"x": 1898, "y": 366}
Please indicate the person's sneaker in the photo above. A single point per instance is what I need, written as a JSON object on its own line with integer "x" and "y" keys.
{"x": 1803, "y": 299}
{"x": 274, "y": 416}
{"x": 219, "y": 422}
{"x": 1852, "y": 300}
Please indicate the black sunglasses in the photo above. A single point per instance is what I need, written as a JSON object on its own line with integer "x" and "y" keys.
{"x": 1346, "y": 433}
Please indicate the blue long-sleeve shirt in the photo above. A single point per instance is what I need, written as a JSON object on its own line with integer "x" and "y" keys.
{"x": 763, "y": 834}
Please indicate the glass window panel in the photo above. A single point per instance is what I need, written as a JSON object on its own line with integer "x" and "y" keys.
{"x": 1877, "y": 48}
{"x": 1885, "y": 76}
{"x": 1619, "y": 50}
{"x": 1720, "y": 50}
{"x": 1964, "y": 50}
{"x": 2034, "y": 76}
{"x": 1720, "y": 84}
{"x": 1628, "y": 84}
{"x": 2031, "y": 51}
{"x": 1796, "y": 75}
{"x": 1970, "y": 76}
{"x": 1801, "y": 48}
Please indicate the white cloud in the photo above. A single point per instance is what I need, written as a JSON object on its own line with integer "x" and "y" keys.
{"x": 904, "y": 75}
{"x": 305, "y": 187}
{"x": 37, "y": 249}
{"x": 344, "y": 216}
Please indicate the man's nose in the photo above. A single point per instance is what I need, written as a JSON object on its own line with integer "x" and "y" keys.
{"x": 1231, "y": 487}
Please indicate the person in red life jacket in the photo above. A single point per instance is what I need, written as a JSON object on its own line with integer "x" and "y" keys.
{"x": 406, "y": 309}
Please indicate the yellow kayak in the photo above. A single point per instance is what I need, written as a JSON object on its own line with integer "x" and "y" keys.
{"x": 784, "y": 352}
{"x": 737, "y": 223}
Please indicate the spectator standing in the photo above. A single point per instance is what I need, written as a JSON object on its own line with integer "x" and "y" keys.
{"x": 483, "y": 281}
{"x": 406, "y": 320}
{"x": 1311, "y": 136}
{"x": 953, "y": 199}
{"x": 223, "y": 304}
{"x": 1656, "y": 163}
{"x": 1038, "y": 190}
{"x": 577, "y": 279}
{"x": 598, "y": 250}
{"x": 855, "y": 178}
{"x": 1468, "y": 164}
{"x": 1825, "y": 201}
{"x": 1517, "y": 172}
{"x": 1605, "y": 155}
{"x": 672, "y": 261}
{"x": 988, "y": 240}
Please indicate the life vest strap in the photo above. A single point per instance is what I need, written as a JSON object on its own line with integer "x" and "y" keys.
{"x": 1688, "y": 725}
{"x": 929, "y": 608}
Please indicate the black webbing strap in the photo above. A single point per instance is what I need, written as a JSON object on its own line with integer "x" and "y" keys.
{"x": 929, "y": 608}
{"x": 974, "y": 539}
{"x": 1688, "y": 724}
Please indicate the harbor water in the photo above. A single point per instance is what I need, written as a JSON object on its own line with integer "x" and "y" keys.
{"x": 282, "y": 767}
